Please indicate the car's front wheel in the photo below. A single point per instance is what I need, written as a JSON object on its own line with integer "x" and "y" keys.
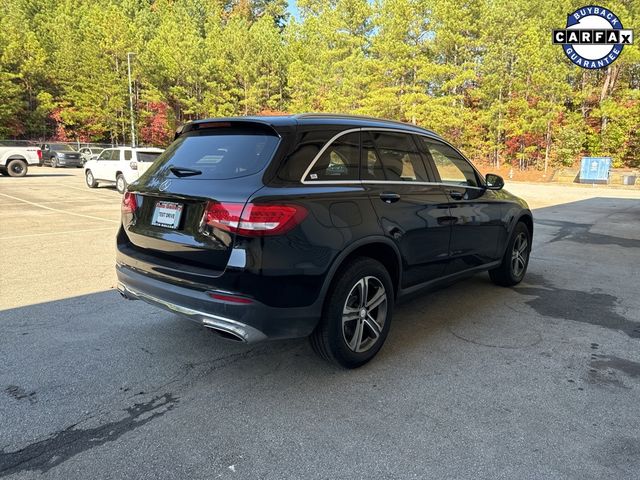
{"x": 516, "y": 258}
{"x": 357, "y": 314}
{"x": 54, "y": 162}
{"x": 91, "y": 181}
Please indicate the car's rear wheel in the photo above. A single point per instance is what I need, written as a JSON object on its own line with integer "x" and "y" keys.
{"x": 91, "y": 181}
{"x": 357, "y": 314}
{"x": 516, "y": 258}
{"x": 121, "y": 183}
{"x": 17, "y": 168}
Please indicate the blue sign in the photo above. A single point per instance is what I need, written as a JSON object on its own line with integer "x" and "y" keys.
{"x": 595, "y": 169}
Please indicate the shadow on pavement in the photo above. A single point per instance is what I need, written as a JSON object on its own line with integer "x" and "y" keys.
{"x": 70, "y": 363}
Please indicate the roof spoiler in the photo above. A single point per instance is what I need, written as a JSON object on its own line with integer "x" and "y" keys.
{"x": 224, "y": 123}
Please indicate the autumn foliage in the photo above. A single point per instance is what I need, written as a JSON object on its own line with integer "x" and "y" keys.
{"x": 484, "y": 74}
{"x": 155, "y": 129}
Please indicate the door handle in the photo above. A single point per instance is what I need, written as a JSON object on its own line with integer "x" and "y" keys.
{"x": 456, "y": 194}
{"x": 389, "y": 197}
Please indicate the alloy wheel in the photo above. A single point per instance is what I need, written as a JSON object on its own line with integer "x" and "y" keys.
{"x": 520, "y": 254}
{"x": 364, "y": 314}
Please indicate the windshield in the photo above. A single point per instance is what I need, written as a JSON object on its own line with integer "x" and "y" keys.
{"x": 57, "y": 147}
{"x": 220, "y": 154}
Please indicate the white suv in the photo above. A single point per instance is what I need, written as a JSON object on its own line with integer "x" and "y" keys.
{"x": 120, "y": 165}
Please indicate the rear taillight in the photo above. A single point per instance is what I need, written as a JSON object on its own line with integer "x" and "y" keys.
{"x": 129, "y": 203}
{"x": 254, "y": 220}
{"x": 39, "y": 154}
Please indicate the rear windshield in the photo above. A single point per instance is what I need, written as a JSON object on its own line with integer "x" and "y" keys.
{"x": 148, "y": 156}
{"x": 220, "y": 153}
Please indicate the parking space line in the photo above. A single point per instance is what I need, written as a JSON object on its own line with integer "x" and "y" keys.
{"x": 110, "y": 195}
{"x": 13, "y": 204}
{"x": 39, "y": 205}
{"x": 56, "y": 233}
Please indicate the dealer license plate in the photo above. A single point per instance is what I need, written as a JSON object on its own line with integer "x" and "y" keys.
{"x": 167, "y": 214}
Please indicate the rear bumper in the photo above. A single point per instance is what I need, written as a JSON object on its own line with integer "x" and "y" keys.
{"x": 245, "y": 322}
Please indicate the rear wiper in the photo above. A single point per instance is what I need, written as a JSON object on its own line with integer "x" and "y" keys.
{"x": 184, "y": 172}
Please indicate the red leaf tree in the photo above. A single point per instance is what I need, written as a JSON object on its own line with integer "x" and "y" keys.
{"x": 156, "y": 129}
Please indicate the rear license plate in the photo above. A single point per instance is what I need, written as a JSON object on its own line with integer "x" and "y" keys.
{"x": 167, "y": 214}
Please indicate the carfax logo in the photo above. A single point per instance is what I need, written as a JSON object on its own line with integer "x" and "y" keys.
{"x": 594, "y": 37}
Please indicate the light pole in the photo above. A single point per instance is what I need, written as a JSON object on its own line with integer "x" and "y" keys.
{"x": 133, "y": 126}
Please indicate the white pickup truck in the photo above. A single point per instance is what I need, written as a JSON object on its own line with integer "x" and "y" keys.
{"x": 15, "y": 159}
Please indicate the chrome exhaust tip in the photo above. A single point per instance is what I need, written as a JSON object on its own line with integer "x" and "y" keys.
{"x": 226, "y": 334}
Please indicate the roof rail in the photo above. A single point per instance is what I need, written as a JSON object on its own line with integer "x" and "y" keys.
{"x": 360, "y": 117}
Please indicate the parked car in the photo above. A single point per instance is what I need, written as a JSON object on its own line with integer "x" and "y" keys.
{"x": 280, "y": 227}
{"x": 89, "y": 153}
{"x": 16, "y": 157}
{"x": 61, "y": 155}
{"x": 120, "y": 166}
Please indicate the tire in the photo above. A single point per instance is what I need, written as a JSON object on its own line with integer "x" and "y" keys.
{"x": 54, "y": 162}
{"x": 340, "y": 336}
{"x": 91, "y": 181}
{"x": 121, "y": 183}
{"x": 515, "y": 260}
{"x": 17, "y": 168}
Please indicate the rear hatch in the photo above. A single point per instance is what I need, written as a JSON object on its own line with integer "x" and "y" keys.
{"x": 207, "y": 170}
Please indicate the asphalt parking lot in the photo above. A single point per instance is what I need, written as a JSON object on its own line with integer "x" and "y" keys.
{"x": 475, "y": 381}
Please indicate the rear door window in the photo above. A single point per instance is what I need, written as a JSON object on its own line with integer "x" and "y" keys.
{"x": 399, "y": 156}
{"x": 220, "y": 153}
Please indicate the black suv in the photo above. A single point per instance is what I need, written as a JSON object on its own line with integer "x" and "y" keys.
{"x": 280, "y": 227}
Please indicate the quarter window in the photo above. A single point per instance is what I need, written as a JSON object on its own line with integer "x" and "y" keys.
{"x": 127, "y": 154}
{"x": 339, "y": 161}
{"x": 451, "y": 166}
{"x": 399, "y": 156}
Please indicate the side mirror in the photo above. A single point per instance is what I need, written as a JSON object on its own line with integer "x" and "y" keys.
{"x": 494, "y": 182}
